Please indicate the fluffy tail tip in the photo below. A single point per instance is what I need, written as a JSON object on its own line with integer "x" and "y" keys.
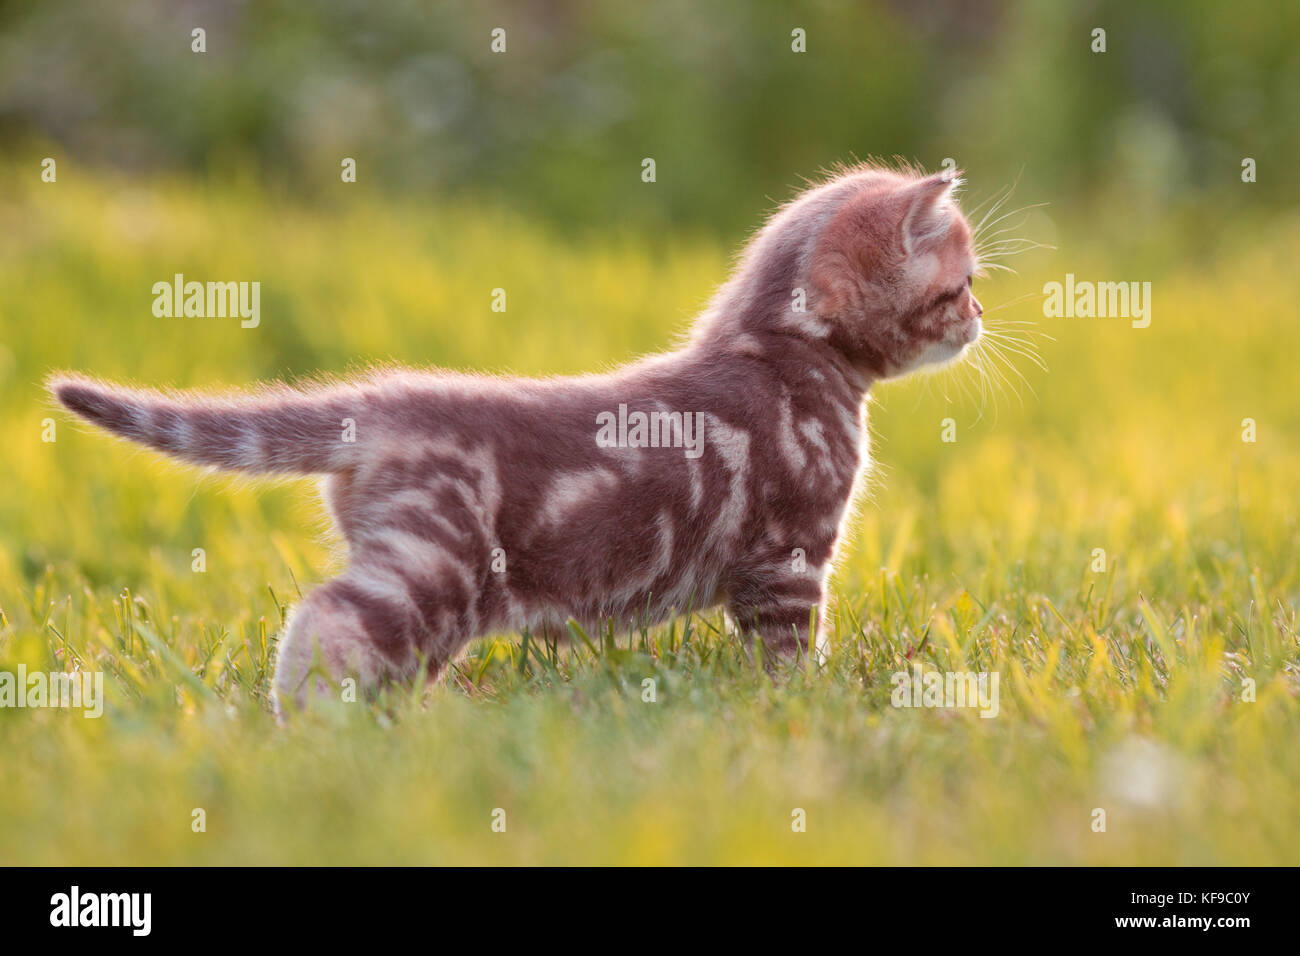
{"x": 79, "y": 395}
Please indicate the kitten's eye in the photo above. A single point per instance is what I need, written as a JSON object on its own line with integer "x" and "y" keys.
{"x": 970, "y": 281}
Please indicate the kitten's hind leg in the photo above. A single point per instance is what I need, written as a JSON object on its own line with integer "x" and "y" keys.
{"x": 325, "y": 640}
{"x": 384, "y": 620}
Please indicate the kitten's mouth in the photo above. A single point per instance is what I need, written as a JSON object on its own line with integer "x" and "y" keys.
{"x": 969, "y": 331}
{"x": 954, "y": 344}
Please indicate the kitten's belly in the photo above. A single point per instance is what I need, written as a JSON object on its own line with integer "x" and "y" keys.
{"x": 630, "y": 573}
{"x": 630, "y": 550}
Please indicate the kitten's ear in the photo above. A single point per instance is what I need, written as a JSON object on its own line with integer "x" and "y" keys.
{"x": 926, "y": 212}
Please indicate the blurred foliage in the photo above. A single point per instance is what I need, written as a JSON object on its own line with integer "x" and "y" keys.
{"x": 559, "y": 123}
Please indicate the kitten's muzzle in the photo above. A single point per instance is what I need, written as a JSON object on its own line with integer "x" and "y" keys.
{"x": 967, "y": 331}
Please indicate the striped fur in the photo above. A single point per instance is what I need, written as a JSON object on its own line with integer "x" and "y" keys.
{"x": 474, "y": 504}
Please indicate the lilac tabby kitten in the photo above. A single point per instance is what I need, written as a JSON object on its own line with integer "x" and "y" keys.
{"x": 719, "y": 473}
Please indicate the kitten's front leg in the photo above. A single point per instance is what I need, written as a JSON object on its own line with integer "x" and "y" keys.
{"x": 778, "y": 605}
{"x": 784, "y": 629}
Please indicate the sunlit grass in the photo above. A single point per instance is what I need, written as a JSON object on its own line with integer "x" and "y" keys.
{"x": 1121, "y": 689}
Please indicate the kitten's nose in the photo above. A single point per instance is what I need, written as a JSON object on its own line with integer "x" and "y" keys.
{"x": 979, "y": 309}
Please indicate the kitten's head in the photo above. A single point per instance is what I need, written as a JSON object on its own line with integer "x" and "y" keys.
{"x": 892, "y": 273}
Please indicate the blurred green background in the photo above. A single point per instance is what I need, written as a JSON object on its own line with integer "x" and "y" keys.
{"x": 1122, "y": 688}
{"x": 558, "y": 124}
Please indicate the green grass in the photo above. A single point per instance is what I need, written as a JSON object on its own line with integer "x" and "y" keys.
{"x": 1120, "y": 690}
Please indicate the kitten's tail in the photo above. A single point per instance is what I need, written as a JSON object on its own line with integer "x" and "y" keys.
{"x": 276, "y": 429}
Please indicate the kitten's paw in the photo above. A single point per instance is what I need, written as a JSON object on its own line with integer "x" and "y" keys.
{"x": 315, "y": 692}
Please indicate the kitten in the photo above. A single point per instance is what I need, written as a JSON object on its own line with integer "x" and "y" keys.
{"x": 472, "y": 504}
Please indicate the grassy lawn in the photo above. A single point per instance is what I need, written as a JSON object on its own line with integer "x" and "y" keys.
{"x": 1125, "y": 689}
